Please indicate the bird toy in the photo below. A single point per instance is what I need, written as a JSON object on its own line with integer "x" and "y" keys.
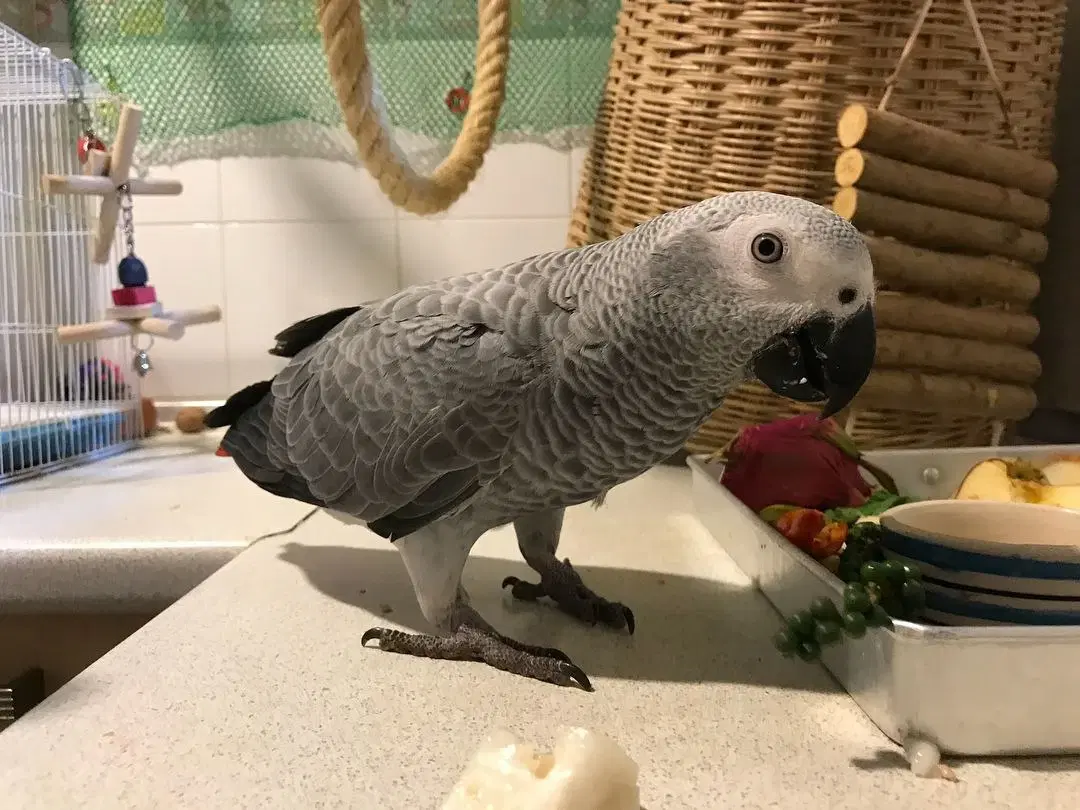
{"x": 458, "y": 98}
{"x": 136, "y": 309}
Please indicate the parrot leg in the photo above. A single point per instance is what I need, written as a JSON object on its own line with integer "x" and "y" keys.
{"x": 435, "y": 558}
{"x": 538, "y": 539}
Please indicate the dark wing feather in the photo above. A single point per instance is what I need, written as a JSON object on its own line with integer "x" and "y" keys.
{"x": 292, "y": 340}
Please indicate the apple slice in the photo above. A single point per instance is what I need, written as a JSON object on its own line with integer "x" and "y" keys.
{"x": 1063, "y": 471}
{"x": 586, "y": 771}
{"x": 999, "y": 479}
{"x": 1064, "y": 496}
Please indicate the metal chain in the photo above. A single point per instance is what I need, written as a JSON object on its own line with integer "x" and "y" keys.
{"x": 134, "y": 343}
{"x": 127, "y": 219}
{"x": 77, "y": 95}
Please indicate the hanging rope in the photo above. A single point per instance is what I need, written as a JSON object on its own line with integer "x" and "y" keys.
{"x": 345, "y": 45}
{"x": 984, "y": 54}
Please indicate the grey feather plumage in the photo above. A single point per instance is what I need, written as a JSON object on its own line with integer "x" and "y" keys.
{"x": 484, "y": 398}
{"x": 543, "y": 383}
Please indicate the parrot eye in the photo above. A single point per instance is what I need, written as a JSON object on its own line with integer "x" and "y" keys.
{"x": 767, "y": 248}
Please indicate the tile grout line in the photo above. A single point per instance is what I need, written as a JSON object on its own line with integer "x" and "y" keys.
{"x": 224, "y": 280}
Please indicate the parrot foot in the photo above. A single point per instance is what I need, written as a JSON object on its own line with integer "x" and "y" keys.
{"x": 469, "y": 643}
{"x": 562, "y": 584}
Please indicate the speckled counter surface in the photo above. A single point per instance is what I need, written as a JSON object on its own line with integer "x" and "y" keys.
{"x": 253, "y": 690}
{"x": 133, "y": 532}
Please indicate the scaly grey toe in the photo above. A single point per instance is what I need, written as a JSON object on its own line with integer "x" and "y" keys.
{"x": 472, "y": 644}
{"x": 563, "y": 585}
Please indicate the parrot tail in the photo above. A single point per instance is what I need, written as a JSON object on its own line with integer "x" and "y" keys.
{"x": 235, "y": 405}
{"x": 289, "y": 342}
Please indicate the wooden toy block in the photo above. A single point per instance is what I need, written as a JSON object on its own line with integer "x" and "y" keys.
{"x": 134, "y": 313}
{"x": 133, "y": 296}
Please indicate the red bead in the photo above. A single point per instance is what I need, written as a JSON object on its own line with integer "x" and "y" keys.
{"x": 133, "y": 296}
{"x": 87, "y": 143}
{"x": 457, "y": 101}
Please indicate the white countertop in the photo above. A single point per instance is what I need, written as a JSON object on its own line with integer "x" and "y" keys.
{"x": 132, "y": 532}
{"x": 253, "y": 690}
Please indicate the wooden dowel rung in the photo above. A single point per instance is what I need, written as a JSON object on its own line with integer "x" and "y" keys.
{"x": 965, "y": 278}
{"x": 908, "y": 181}
{"x": 98, "y": 330}
{"x": 155, "y": 188}
{"x": 953, "y": 355}
{"x": 123, "y": 147}
{"x": 918, "y": 314}
{"x": 76, "y": 184}
{"x": 105, "y": 228}
{"x": 896, "y": 390}
{"x": 161, "y": 326}
{"x": 895, "y": 136}
{"x": 193, "y": 317}
{"x": 933, "y": 227}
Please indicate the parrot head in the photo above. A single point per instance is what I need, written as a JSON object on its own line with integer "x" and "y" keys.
{"x": 805, "y": 273}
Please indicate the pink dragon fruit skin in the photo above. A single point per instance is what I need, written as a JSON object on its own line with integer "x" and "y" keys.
{"x": 795, "y": 462}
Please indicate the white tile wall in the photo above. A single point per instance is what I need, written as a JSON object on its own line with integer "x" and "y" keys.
{"x": 275, "y": 240}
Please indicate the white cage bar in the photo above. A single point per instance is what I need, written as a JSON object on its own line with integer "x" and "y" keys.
{"x": 59, "y": 404}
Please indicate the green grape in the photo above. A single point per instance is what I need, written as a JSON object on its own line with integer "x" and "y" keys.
{"x": 802, "y": 624}
{"x": 878, "y": 617}
{"x": 894, "y": 570}
{"x": 856, "y": 599}
{"x": 827, "y": 632}
{"x": 824, "y": 609}
{"x": 873, "y": 572}
{"x": 912, "y": 572}
{"x": 855, "y": 624}
{"x": 808, "y": 649}
{"x": 913, "y": 595}
{"x": 786, "y": 642}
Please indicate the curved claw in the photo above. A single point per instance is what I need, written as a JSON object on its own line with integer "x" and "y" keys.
{"x": 373, "y": 633}
{"x": 557, "y": 654}
{"x": 510, "y": 582}
{"x": 577, "y": 676}
{"x": 629, "y": 614}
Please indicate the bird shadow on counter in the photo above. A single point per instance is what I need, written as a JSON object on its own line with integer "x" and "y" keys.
{"x": 886, "y": 759}
{"x": 689, "y": 629}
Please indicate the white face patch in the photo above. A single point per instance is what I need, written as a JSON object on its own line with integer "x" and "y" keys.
{"x": 823, "y": 267}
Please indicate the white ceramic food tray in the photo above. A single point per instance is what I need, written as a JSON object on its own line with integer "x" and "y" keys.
{"x": 970, "y": 690}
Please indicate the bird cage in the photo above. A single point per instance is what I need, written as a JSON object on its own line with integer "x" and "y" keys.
{"x": 59, "y": 404}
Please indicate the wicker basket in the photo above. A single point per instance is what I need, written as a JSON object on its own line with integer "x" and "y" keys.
{"x": 703, "y": 98}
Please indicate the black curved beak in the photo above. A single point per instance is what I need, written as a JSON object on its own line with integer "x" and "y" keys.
{"x": 821, "y": 361}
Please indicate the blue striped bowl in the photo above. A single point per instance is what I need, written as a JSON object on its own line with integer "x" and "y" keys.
{"x": 990, "y": 563}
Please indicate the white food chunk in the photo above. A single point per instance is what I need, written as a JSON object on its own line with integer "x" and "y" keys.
{"x": 923, "y": 756}
{"x": 586, "y": 771}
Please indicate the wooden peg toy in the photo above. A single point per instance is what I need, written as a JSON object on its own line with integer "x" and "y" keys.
{"x": 136, "y": 309}
{"x": 107, "y": 175}
{"x": 147, "y": 319}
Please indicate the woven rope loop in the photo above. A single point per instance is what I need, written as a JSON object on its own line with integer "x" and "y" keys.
{"x": 347, "y": 60}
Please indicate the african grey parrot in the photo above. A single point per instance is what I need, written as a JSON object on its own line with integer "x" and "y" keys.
{"x": 504, "y": 396}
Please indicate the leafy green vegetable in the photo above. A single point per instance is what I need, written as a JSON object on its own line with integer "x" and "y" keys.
{"x": 880, "y": 501}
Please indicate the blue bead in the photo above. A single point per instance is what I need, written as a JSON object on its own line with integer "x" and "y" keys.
{"x": 132, "y": 272}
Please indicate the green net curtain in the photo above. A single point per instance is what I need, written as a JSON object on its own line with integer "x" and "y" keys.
{"x": 248, "y": 77}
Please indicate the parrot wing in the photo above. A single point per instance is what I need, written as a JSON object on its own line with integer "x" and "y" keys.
{"x": 397, "y": 417}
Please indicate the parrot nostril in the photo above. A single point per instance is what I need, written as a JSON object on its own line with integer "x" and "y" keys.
{"x": 847, "y": 295}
